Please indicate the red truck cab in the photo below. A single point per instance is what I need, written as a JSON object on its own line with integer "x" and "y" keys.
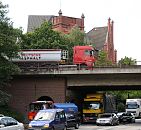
{"x": 84, "y": 56}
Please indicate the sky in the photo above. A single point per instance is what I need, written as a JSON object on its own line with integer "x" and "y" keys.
{"x": 125, "y": 14}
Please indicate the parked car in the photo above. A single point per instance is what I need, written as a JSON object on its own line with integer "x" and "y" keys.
{"x": 125, "y": 117}
{"x": 107, "y": 119}
{"x": 9, "y": 123}
{"x": 73, "y": 120}
{"x": 49, "y": 119}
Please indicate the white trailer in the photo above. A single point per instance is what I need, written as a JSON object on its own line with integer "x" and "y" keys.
{"x": 134, "y": 106}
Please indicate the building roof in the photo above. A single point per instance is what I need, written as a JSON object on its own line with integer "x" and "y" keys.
{"x": 97, "y": 36}
{"x": 35, "y": 21}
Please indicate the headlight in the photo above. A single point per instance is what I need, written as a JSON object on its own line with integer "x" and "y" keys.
{"x": 46, "y": 125}
{"x": 29, "y": 126}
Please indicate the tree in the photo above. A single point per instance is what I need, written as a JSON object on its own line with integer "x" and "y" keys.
{"x": 76, "y": 38}
{"x": 44, "y": 38}
{"x": 8, "y": 49}
{"x": 127, "y": 61}
{"x": 102, "y": 59}
{"x": 121, "y": 97}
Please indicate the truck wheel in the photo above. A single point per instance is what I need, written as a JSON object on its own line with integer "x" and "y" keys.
{"x": 77, "y": 126}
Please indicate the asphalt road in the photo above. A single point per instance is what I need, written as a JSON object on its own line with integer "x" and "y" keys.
{"x": 131, "y": 126}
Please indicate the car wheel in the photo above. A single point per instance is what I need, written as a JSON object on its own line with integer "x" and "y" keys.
{"x": 117, "y": 122}
{"x": 112, "y": 123}
{"x": 133, "y": 121}
{"x": 77, "y": 126}
{"x": 65, "y": 128}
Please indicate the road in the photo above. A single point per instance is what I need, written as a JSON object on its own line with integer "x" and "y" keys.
{"x": 132, "y": 126}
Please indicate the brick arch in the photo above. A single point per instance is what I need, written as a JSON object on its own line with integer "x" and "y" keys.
{"x": 45, "y": 98}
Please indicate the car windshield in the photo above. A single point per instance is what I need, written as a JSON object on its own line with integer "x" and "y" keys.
{"x": 105, "y": 115}
{"x": 44, "y": 116}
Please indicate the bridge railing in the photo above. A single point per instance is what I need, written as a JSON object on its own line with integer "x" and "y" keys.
{"x": 73, "y": 68}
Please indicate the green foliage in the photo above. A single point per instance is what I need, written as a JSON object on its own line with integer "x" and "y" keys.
{"x": 127, "y": 61}
{"x": 44, "y": 38}
{"x": 8, "y": 48}
{"x": 122, "y": 95}
{"x": 121, "y": 107}
{"x": 102, "y": 59}
{"x": 76, "y": 36}
{"x": 8, "y": 111}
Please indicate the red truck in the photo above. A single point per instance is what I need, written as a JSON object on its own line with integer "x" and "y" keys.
{"x": 83, "y": 56}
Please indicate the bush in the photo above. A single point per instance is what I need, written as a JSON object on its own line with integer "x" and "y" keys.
{"x": 8, "y": 111}
{"x": 121, "y": 107}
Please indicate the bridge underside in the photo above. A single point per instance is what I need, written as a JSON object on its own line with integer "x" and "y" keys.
{"x": 104, "y": 88}
{"x": 105, "y": 82}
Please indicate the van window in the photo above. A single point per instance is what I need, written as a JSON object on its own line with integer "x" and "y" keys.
{"x": 57, "y": 116}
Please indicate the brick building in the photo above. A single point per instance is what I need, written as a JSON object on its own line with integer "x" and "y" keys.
{"x": 60, "y": 23}
{"x": 101, "y": 37}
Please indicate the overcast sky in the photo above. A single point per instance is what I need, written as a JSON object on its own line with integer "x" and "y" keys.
{"x": 125, "y": 14}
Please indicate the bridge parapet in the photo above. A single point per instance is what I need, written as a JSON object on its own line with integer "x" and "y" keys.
{"x": 97, "y": 70}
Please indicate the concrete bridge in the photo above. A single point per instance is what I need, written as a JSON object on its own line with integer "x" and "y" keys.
{"x": 64, "y": 85}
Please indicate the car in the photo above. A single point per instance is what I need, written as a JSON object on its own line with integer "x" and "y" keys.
{"x": 9, "y": 123}
{"x": 125, "y": 117}
{"x": 49, "y": 119}
{"x": 73, "y": 120}
{"x": 107, "y": 119}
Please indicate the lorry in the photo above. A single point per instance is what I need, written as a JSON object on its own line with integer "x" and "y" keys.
{"x": 53, "y": 59}
{"x": 134, "y": 106}
{"x": 95, "y": 104}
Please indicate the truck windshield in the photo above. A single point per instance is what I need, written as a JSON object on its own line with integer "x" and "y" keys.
{"x": 132, "y": 106}
{"x": 35, "y": 106}
{"x": 92, "y": 105}
{"x": 89, "y": 52}
{"x": 44, "y": 116}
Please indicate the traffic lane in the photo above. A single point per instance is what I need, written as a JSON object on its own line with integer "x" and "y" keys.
{"x": 127, "y": 126}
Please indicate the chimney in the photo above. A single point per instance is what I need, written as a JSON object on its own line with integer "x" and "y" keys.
{"x": 60, "y": 12}
{"x": 109, "y": 25}
{"x": 82, "y": 23}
